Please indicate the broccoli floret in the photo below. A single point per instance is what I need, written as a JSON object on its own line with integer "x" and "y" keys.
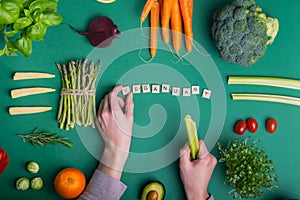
{"x": 241, "y": 32}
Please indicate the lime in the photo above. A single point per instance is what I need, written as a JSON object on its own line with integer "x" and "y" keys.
{"x": 22, "y": 183}
{"x": 106, "y": 1}
{"x": 36, "y": 183}
{"x": 33, "y": 167}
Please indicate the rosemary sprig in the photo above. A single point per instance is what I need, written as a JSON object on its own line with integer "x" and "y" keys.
{"x": 44, "y": 138}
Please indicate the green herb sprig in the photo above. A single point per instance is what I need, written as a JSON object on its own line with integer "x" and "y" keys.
{"x": 24, "y": 21}
{"x": 44, "y": 138}
{"x": 249, "y": 170}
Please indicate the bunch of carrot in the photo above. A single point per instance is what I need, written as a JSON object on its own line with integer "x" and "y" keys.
{"x": 174, "y": 12}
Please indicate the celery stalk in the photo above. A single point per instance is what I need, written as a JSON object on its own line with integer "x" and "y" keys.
{"x": 268, "y": 98}
{"x": 266, "y": 81}
{"x": 192, "y": 136}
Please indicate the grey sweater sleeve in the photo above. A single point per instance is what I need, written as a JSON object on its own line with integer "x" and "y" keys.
{"x": 104, "y": 187}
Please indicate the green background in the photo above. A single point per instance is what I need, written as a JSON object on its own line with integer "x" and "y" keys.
{"x": 62, "y": 45}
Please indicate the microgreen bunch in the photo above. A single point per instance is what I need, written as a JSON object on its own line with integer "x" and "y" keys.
{"x": 249, "y": 170}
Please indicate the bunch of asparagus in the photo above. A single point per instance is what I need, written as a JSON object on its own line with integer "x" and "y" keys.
{"x": 77, "y": 101}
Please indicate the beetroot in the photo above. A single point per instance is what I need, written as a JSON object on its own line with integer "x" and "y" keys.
{"x": 101, "y": 32}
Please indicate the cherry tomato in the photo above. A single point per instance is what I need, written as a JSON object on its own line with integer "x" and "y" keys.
{"x": 271, "y": 125}
{"x": 252, "y": 125}
{"x": 240, "y": 127}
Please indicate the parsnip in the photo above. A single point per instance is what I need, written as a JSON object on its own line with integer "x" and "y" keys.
{"x": 31, "y": 75}
{"x": 27, "y": 110}
{"x": 16, "y": 93}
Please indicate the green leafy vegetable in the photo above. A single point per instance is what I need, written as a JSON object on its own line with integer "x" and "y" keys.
{"x": 249, "y": 170}
{"x": 242, "y": 31}
{"x": 24, "y": 21}
{"x": 44, "y": 138}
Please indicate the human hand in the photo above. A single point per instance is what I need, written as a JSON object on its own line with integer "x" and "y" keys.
{"x": 195, "y": 175}
{"x": 115, "y": 119}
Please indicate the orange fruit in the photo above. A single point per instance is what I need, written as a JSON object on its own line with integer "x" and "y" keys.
{"x": 69, "y": 183}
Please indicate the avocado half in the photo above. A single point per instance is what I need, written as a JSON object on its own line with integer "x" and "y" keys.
{"x": 153, "y": 191}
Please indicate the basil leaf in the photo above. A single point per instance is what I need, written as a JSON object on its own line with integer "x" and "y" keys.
{"x": 2, "y": 52}
{"x": 37, "y": 15}
{"x": 37, "y": 5}
{"x": 26, "y": 3}
{"x": 11, "y": 33}
{"x": 24, "y": 45}
{"x": 22, "y": 23}
{"x": 26, "y": 12}
{"x": 9, "y": 12}
{"x": 51, "y": 18}
{"x": 36, "y": 31}
{"x": 11, "y": 51}
{"x": 51, "y": 6}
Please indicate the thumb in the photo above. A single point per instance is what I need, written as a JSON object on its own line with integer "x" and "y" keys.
{"x": 129, "y": 106}
{"x": 203, "y": 152}
{"x": 185, "y": 154}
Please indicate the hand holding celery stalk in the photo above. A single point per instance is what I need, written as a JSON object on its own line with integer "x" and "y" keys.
{"x": 192, "y": 136}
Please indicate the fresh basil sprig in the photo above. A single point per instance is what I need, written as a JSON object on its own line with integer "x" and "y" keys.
{"x": 22, "y": 21}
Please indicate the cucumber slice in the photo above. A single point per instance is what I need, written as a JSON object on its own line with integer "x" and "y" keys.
{"x": 192, "y": 136}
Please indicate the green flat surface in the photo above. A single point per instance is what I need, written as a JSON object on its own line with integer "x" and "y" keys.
{"x": 61, "y": 45}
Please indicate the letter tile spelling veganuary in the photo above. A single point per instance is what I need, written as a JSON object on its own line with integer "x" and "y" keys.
{"x": 156, "y": 89}
{"x": 175, "y": 91}
{"x": 186, "y": 92}
{"x": 146, "y": 88}
{"x": 165, "y": 88}
{"x": 136, "y": 89}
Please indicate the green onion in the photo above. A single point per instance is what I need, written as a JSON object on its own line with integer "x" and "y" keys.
{"x": 267, "y": 97}
{"x": 266, "y": 81}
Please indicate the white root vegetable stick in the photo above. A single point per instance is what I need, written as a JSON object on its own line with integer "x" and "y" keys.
{"x": 31, "y": 75}
{"x": 16, "y": 93}
{"x": 27, "y": 110}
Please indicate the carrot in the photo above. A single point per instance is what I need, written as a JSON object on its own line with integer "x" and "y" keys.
{"x": 154, "y": 20}
{"x": 176, "y": 25}
{"x": 191, "y": 7}
{"x": 187, "y": 23}
{"x": 167, "y": 6}
{"x": 149, "y": 4}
